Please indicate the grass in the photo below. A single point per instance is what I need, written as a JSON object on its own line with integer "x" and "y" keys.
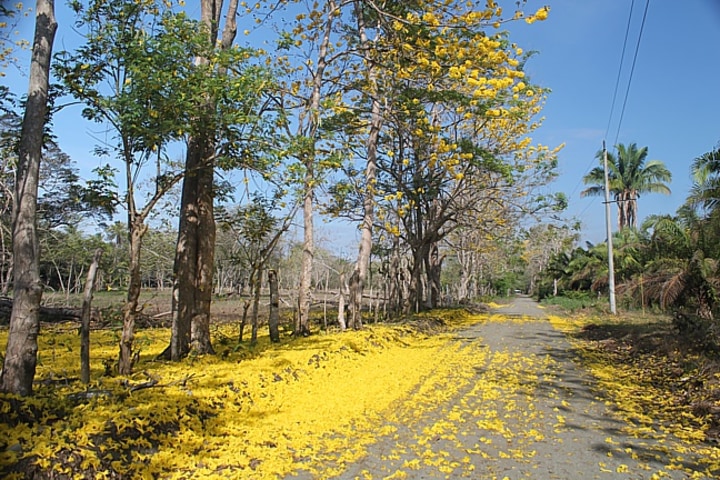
{"x": 575, "y": 302}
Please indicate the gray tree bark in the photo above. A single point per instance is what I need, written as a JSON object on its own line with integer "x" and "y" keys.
{"x": 308, "y": 158}
{"x": 21, "y": 354}
{"x": 359, "y": 276}
{"x": 130, "y": 309}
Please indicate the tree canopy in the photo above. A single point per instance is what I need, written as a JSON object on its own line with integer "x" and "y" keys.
{"x": 630, "y": 175}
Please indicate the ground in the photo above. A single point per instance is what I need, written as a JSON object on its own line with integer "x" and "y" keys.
{"x": 529, "y": 412}
{"x": 513, "y": 393}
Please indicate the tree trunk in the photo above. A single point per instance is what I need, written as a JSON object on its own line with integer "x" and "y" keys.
{"x": 416, "y": 292}
{"x": 200, "y": 328}
{"x": 274, "y": 318}
{"x": 130, "y": 310}
{"x": 185, "y": 267}
{"x": 85, "y": 318}
{"x": 6, "y": 253}
{"x": 396, "y": 293}
{"x": 195, "y": 251}
{"x": 359, "y": 276}
{"x": 308, "y": 254}
{"x": 243, "y": 320}
{"x": 308, "y": 158}
{"x": 257, "y": 275}
{"x": 21, "y": 354}
{"x": 433, "y": 275}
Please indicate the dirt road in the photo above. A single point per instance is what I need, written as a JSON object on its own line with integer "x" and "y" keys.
{"x": 531, "y": 412}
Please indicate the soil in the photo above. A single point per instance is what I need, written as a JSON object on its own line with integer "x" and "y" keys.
{"x": 560, "y": 427}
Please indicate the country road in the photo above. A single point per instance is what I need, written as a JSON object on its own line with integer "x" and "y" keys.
{"x": 530, "y": 412}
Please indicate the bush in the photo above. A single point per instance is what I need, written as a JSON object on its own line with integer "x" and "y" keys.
{"x": 573, "y": 300}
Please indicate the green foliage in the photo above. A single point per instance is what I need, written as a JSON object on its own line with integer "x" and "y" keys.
{"x": 705, "y": 192}
{"x": 507, "y": 283}
{"x": 630, "y": 175}
{"x": 670, "y": 263}
{"x": 573, "y": 300}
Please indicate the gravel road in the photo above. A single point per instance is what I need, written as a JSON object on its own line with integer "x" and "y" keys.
{"x": 536, "y": 416}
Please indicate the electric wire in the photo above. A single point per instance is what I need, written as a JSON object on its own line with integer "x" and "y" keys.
{"x": 617, "y": 80}
{"x": 632, "y": 69}
{"x": 612, "y": 105}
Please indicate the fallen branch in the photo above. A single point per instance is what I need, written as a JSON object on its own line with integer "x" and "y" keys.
{"x": 154, "y": 382}
{"x": 47, "y": 314}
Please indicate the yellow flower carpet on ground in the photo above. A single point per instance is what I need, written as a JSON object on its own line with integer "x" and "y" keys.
{"x": 314, "y": 405}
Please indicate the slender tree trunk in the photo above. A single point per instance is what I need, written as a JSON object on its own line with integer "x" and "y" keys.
{"x": 396, "y": 295}
{"x": 341, "y": 303}
{"x": 632, "y": 210}
{"x": 85, "y": 318}
{"x": 6, "y": 255}
{"x": 257, "y": 284}
{"x": 308, "y": 255}
{"x": 243, "y": 320}
{"x": 274, "y": 317}
{"x": 130, "y": 310}
{"x": 6, "y": 279}
{"x": 308, "y": 159}
{"x": 21, "y": 354}
{"x": 359, "y": 276}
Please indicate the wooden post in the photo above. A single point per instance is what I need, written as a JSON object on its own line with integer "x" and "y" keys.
{"x": 341, "y": 303}
{"x": 274, "y": 318}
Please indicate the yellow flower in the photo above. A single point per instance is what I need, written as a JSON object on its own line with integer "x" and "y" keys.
{"x": 542, "y": 13}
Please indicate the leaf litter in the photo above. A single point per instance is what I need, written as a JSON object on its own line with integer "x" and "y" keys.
{"x": 317, "y": 407}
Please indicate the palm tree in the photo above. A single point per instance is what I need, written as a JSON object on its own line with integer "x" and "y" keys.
{"x": 681, "y": 273}
{"x": 705, "y": 192}
{"x": 629, "y": 175}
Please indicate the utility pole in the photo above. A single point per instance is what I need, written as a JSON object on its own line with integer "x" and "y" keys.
{"x": 608, "y": 228}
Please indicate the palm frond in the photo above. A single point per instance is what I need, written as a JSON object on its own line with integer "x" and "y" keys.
{"x": 672, "y": 288}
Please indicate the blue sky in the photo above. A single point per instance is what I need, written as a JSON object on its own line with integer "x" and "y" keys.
{"x": 672, "y": 108}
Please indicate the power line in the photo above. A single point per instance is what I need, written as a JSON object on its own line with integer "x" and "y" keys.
{"x": 622, "y": 58}
{"x": 612, "y": 105}
{"x": 632, "y": 69}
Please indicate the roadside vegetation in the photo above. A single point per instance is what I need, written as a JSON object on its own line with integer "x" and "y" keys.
{"x": 667, "y": 265}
